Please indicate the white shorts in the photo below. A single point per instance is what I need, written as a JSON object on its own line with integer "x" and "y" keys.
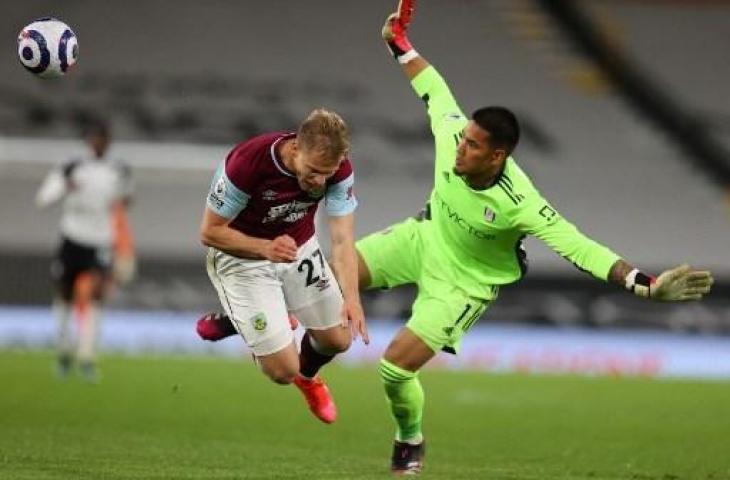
{"x": 257, "y": 295}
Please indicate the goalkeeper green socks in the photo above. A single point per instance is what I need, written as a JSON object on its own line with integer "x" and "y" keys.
{"x": 405, "y": 396}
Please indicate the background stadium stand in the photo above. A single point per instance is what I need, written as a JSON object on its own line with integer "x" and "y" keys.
{"x": 180, "y": 92}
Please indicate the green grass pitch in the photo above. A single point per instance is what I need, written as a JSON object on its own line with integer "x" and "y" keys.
{"x": 214, "y": 418}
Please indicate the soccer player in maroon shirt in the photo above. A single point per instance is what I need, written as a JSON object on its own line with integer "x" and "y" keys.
{"x": 264, "y": 259}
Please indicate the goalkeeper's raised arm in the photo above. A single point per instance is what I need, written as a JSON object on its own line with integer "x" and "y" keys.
{"x": 446, "y": 116}
{"x": 395, "y": 34}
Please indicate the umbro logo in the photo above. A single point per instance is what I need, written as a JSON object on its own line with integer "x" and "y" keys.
{"x": 322, "y": 284}
{"x": 269, "y": 195}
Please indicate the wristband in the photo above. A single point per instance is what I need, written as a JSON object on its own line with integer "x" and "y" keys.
{"x": 639, "y": 283}
{"x": 407, "y": 57}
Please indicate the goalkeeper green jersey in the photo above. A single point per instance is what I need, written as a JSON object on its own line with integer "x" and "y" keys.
{"x": 475, "y": 236}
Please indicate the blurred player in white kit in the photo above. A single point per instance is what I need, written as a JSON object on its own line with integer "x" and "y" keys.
{"x": 95, "y": 245}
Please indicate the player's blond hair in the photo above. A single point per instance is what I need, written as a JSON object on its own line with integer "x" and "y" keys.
{"x": 324, "y": 132}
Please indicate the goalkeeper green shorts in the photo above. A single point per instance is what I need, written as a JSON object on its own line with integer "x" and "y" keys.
{"x": 442, "y": 312}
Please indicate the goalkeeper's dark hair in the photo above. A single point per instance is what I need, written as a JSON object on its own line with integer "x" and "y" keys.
{"x": 502, "y": 125}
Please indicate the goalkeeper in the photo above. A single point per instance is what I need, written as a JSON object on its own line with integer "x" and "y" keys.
{"x": 467, "y": 242}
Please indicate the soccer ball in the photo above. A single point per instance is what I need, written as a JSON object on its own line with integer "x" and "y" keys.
{"x": 47, "y": 47}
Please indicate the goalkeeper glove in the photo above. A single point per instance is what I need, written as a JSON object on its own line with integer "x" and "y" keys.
{"x": 394, "y": 32}
{"x": 675, "y": 285}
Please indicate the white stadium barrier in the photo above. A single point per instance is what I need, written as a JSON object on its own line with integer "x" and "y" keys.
{"x": 488, "y": 347}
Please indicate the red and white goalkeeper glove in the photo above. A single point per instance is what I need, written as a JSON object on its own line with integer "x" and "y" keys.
{"x": 394, "y": 32}
{"x": 675, "y": 285}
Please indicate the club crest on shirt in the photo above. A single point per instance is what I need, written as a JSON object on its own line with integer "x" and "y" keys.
{"x": 489, "y": 215}
{"x": 316, "y": 193}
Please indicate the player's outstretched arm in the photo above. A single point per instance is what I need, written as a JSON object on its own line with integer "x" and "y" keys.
{"x": 394, "y": 33}
{"x": 677, "y": 284}
{"x": 536, "y": 217}
{"x": 124, "y": 267}
{"x": 344, "y": 265}
{"x": 443, "y": 110}
{"x": 215, "y": 232}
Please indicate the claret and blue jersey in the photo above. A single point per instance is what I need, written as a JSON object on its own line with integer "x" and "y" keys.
{"x": 263, "y": 199}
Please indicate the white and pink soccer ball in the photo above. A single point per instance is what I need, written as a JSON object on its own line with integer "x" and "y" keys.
{"x": 48, "y": 48}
